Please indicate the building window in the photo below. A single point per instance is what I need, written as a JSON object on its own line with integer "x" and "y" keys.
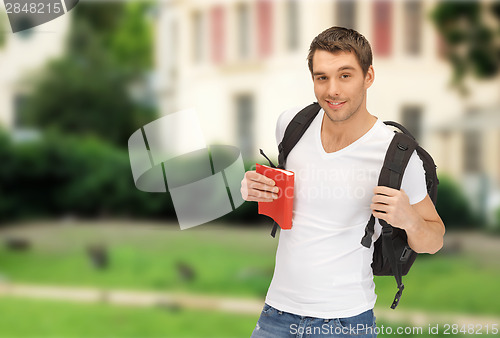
{"x": 21, "y": 120}
{"x": 441, "y": 47}
{"x": 244, "y": 39}
{"x": 382, "y": 11}
{"x": 472, "y": 140}
{"x": 245, "y": 117}
{"x": 413, "y": 26}
{"x": 217, "y": 33}
{"x": 24, "y": 128}
{"x": 292, "y": 28}
{"x": 411, "y": 118}
{"x": 346, "y": 14}
{"x": 264, "y": 26}
{"x": 472, "y": 151}
{"x": 197, "y": 36}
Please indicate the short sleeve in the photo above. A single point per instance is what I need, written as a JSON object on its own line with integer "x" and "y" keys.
{"x": 414, "y": 180}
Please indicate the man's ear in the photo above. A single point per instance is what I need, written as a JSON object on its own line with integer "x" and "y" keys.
{"x": 370, "y": 77}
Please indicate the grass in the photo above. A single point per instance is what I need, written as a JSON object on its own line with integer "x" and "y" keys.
{"x": 228, "y": 261}
{"x": 42, "y": 318}
{"x": 37, "y": 318}
{"x": 238, "y": 261}
{"x": 458, "y": 283}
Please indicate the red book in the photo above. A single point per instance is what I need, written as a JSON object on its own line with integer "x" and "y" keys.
{"x": 281, "y": 208}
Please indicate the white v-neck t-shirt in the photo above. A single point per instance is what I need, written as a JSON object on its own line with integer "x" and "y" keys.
{"x": 321, "y": 269}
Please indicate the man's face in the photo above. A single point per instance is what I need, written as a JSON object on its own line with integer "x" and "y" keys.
{"x": 339, "y": 84}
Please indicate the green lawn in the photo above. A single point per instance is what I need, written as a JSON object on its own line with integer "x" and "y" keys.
{"x": 227, "y": 261}
{"x": 230, "y": 261}
{"x": 41, "y": 318}
{"x": 458, "y": 283}
{"x": 37, "y": 318}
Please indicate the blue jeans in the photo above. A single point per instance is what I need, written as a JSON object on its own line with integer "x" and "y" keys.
{"x": 276, "y": 324}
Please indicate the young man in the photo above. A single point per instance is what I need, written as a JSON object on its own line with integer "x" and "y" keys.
{"x": 323, "y": 281}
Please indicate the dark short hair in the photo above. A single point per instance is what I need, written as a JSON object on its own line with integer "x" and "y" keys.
{"x": 339, "y": 39}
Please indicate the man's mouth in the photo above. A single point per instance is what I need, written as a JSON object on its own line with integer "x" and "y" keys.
{"x": 335, "y": 104}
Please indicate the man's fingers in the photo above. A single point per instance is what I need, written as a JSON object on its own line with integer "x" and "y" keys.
{"x": 262, "y": 194}
{"x": 379, "y": 207}
{"x": 263, "y": 187}
{"x": 380, "y": 215}
{"x": 258, "y": 188}
{"x": 385, "y": 191}
{"x": 381, "y": 199}
{"x": 254, "y": 176}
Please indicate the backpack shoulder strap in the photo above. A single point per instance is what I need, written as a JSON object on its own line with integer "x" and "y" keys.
{"x": 294, "y": 131}
{"x": 431, "y": 178}
{"x": 400, "y": 127}
{"x": 396, "y": 159}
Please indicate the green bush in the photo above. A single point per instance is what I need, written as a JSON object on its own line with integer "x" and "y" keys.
{"x": 60, "y": 175}
{"x": 452, "y": 205}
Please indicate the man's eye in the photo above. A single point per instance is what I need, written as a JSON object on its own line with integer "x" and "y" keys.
{"x": 321, "y": 78}
{"x": 345, "y": 76}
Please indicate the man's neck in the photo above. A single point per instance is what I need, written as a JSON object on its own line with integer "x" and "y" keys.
{"x": 338, "y": 135}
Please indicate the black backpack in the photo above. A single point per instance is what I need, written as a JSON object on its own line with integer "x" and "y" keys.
{"x": 392, "y": 255}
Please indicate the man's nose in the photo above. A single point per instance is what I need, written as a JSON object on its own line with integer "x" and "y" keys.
{"x": 333, "y": 88}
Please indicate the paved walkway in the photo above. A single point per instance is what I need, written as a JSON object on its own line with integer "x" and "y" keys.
{"x": 133, "y": 298}
{"x": 216, "y": 303}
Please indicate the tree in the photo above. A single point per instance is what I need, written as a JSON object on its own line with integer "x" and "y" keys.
{"x": 132, "y": 43}
{"x": 86, "y": 91}
{"x": 471, "y": 32}
{"x": 123, "y": 29}
{"x": 452, "y": 205}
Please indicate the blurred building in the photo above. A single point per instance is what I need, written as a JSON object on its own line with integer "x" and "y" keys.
{"x": 241, "y": 63}
{"x": 21, "y": 56}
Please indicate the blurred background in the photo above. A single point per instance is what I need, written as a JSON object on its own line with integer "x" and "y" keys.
{"x": 84, "y": 253}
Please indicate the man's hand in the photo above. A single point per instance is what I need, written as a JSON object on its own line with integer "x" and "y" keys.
{"x": 393, "y": 206}
{"x": 422, "y": 224}
{"x": 257, "y": 187}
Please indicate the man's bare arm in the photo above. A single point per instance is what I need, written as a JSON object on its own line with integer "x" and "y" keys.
{"x": 422, "y": 224}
